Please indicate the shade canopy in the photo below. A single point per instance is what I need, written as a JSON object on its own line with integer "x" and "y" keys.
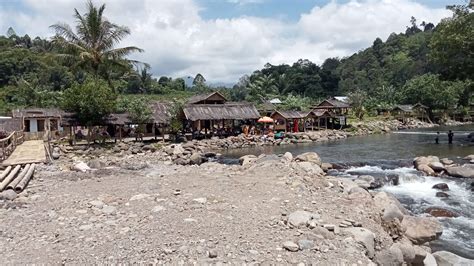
{"x": 265, "y": 119}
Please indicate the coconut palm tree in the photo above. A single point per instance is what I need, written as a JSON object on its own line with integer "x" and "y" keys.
{"x": 92, "y": 46}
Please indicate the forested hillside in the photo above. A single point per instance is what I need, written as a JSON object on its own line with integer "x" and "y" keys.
{"x": 430, "y": 64}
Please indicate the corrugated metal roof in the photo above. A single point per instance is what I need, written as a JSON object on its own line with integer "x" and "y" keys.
{"x": 227, "y": 111}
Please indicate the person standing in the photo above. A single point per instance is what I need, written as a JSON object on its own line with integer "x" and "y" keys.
{"x": 437, "y": 138}
{"x": 450, "y": 137}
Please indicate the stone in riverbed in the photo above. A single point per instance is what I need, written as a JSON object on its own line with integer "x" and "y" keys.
{"x": 247, "y": 159}
{"x": 441, "y": 186}
{"x": 311, "y": 157}
{"x": 391, "y": 256}
{"x": 469, "y": 157}
{"x": 8, "y": 194}
{"x": 464, "y": 171}
{"x": 196, "y": 158}
{"x": 391, "y": 213}
{"x": 291, "y": 246}
{"x": 442, "y": 195}
{"x": 421, "y": 229}
{"x": 447, "y": 161}
{"x": 437, "y": 166}
{"x": 445, "y": 258}
{"x": 364, "y": 237}
{"x": 425, "y": 169}
{"x": 310, "y": 168}
{"x": 301, "y": 218}
{"x": 440, "y": 212}
{"x": 288, "y": 156}
{"x": 305, "y": 244}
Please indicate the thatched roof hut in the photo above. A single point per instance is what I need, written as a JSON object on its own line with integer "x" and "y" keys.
{"x": 209, "y": 98}
{"x": 332, "y": 103}
{"x": 225, "y": 111}
{"x": 290, "y": 114}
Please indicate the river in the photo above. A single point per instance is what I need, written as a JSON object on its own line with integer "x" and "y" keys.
{"x": 385, "y": 154}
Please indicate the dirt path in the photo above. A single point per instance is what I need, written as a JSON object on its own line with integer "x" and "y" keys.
{"x": 167, "y": 213}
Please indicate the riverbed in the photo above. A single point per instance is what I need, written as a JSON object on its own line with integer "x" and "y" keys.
{"x": 388, "y": 154}
{"x": 399, "y": 145}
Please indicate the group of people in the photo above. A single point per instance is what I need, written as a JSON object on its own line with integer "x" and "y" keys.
{"x": 450, "y": 137}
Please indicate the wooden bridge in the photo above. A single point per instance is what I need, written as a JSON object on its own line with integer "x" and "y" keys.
{"x": 19, "y": 157}
{"x": 15, "y": 151}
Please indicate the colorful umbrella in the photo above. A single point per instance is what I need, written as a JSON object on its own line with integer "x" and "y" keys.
{"x": 265, "y": 119}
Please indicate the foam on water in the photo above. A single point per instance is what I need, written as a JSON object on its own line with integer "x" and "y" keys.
{"x": 416, "y": 193}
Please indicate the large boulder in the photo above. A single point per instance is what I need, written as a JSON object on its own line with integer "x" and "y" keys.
{"x": 469, "y": 157}
{"x": 426, "y": 169}
{"x": 311, "y": 157}
{"x": 310, "y": 168}
{"x": 301, "y": 218}
{"x": 390, "y": 257}
{"x": 421, "y": 229}
{"x": 383, "y": 200}
{"x": 464, "y": 171}
{"x": 437, "y": 166}
{"x": 364, "y": 237}
{"x": 445, "y": 258}
{"x": 392, "y": 212}
{"x": 407, "y": 249}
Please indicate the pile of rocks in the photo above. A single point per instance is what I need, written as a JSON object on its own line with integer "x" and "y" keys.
{"x": 433, "y": 166}
{"x": 193, "y": 152}
{"x": 385, "y": 126}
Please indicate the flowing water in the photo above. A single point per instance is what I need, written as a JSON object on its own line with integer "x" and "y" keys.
{"x": 392, "y": 154}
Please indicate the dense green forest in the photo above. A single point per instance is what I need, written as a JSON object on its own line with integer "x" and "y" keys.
{"x": 430, "y": 64}
{"x": 433, "y": 65}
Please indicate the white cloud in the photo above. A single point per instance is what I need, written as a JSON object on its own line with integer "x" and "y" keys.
{"x": 179, "y": 42}
{"x": 245, "y": 2}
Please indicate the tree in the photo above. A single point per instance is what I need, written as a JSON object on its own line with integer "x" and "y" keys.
{"x": 91, "y": 102}
{"x": 357, "y": 101}
{"x": 261, "y": 88}
{"x": 93, "y": 45}
{"x": 452, "y": 45}
{"x": 433, "y": 92}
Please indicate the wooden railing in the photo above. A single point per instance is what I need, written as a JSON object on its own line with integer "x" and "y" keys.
{"x": 8, "y": 144}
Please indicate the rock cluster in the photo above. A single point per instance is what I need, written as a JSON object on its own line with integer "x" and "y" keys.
{"x": 433, "y": 166}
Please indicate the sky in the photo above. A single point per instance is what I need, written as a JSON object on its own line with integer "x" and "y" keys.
{"x": 225, "y": 39}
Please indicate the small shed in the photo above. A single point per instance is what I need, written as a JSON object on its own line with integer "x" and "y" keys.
{"x": 213, "y": 114}
{"x": 319, "y": 119}
{"x": 39, "y": 121}
{"x": 405, "y": 112}
{"x": 337, "y": 111}
{"x": 289, "y": 121}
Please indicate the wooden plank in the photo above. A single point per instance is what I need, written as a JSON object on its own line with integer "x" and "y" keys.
{"x": 31, "y": 151}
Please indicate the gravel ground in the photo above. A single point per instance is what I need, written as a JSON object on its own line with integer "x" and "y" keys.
{"x": 165, "y": 213}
